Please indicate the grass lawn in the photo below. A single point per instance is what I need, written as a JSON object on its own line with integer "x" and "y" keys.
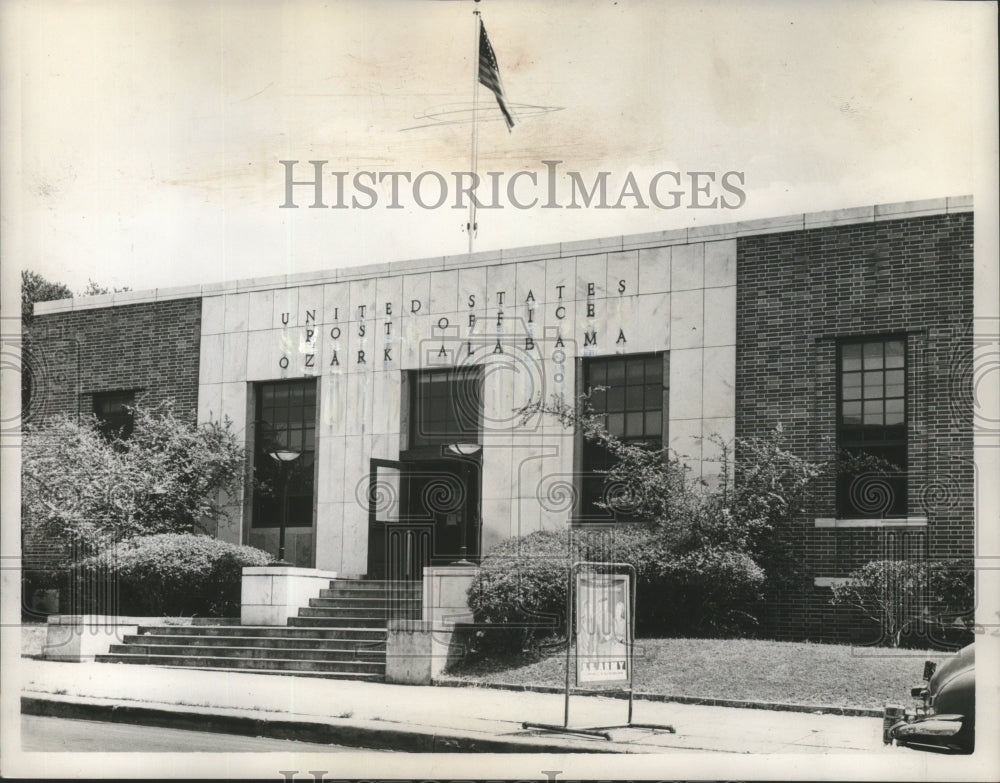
{"x": 828, "y": 675}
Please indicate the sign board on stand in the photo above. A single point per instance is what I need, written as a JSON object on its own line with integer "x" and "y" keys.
{"x": 603, "y": 622}
{"x": 600, "y": 628}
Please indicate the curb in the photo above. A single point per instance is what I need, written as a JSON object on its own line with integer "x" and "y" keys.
{"x": 814, "y": 709}
{"x": 342, "y": 733}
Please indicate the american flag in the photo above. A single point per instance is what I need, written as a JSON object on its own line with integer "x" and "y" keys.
{"x": 489, "y": 74}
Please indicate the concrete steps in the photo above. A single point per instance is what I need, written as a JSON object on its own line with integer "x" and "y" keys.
{"x": 264, "y": 631}
{"x": 353, "y": 655}
{"x": 189, "y": 659}
{"x": 341, "y": 634}
{"x": 280, "y": 642}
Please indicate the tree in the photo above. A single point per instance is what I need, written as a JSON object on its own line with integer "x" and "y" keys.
{"x": 727, "y": 534}
{"x": 761, "y": 483}
{"x": 96, "y": 289}
{"x": 81, "y": 487}
{"x": 35, "y": 288}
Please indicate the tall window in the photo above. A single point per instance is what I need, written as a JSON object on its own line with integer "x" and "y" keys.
{"x": 632, "y": 408}
{"x": 285, "y": 420}
{"x": 446, "y": 406}
{"x": 872, "y": 422}
{"x": 114, "y": 414}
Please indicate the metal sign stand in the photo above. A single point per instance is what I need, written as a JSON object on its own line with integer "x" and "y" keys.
{"x": 571, "y": 621}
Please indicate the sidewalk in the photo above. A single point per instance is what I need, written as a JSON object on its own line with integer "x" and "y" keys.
{"x": 418, "y": 718}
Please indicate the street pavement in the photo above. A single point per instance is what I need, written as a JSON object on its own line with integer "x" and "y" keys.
{"x": 421, "y": 718}
{"x": 55, "y": 735}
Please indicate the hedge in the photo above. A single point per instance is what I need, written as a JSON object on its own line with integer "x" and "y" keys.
{"x": 169, "y": 574}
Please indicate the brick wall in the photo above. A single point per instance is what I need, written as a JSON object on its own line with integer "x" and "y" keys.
{"x": 151, "y": 348}
{"x": 797, "y": 294}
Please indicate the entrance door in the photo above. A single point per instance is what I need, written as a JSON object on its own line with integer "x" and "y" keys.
{"x": 422, "y": 512}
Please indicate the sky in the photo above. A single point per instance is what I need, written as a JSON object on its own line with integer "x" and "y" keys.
{"x": 142, "y": 140}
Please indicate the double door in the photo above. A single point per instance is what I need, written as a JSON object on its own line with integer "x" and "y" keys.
{"x": 422, "y": 512}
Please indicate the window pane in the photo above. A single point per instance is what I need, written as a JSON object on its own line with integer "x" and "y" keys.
{"x": 113, "y": 414}
{"x": 894, "y": 391}
{"x": 873, "y": 384}
{"x": 895, "y": 353}
{"x": 616, "y": 399}
{"x": 616, "y": 423}
{"x": 654, "y": 396}
{"x": 894, "y": 412}
{"x": 873, "y": 356}
{"x": 597, "y": 373}
{"x": 654, "y": 370}
{"x": 894, "y": 378}
{"x": 874, "y": 494}
{"x": 448, "y": 407}
{"x": 895, "y": 456}
{"x": 599, "y": 400}
{"x": 851, "y": 393}
{"x": 634, "y": 398}
{"x": 850, "y": 357}
{"x": 873, "y": 412}
{"x": 616, "y": 371}
{"x": 852, "y": 413}
{"x": 636, "y": 371}
{"x": 654, "y": 424}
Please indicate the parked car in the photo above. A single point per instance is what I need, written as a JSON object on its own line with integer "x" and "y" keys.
{"x": 944, "y": 719}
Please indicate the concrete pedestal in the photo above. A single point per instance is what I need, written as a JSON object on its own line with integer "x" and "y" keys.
{"x": 418, "y": 651}
{"x": 271, "y": 594}
{"x": 79, "y": 637}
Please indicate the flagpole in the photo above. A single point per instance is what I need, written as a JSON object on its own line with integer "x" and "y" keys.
{"x": 471, "y": 225}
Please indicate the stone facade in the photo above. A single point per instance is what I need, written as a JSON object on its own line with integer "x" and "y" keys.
{"x": 525, "y": 322}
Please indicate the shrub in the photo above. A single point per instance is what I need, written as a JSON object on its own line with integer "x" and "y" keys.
{"x": 710, "y": 591}
{"x": 521, "y": 589}
{"x": 169, "y": 574}
{"x": 521, "y": 585}
{"x": 912, "y": 601}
